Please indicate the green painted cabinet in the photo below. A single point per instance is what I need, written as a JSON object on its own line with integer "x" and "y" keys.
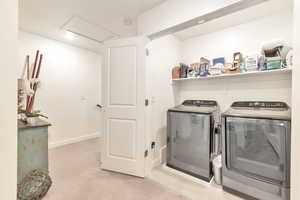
{"x": 32, "y": 147}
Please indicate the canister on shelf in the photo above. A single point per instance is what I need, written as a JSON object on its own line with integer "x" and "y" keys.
{"x": 237, "y": 61}
{"x": 251, "y": 62}
{"x": 195, "y": 69}
{"x": 176, "y": 72}
{"x": 183, "y": 70}
{"x": 204, "y": 67}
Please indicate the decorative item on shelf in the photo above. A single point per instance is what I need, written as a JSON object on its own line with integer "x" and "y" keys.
{"x": 289, "y": 59}
{"x": 243, "y": 68}
{"x": 24, "y": 84}
{"x": 218, "y": 66}
{"x": 204, "y": 67}
{"x": 275, "y": 53}
{"x": 227, "y": 67}
{"x": 274, "y": 63}
{"x": 220, "y": 60}
{"x": 237, "y": 61}
{"x": 251, "y": 63}
{"x": 183, "y": 70}
{"x": 190, "y": 72}
{"x": 262, "y": 63}
{"x": 195, "y": 70}
{"x": 21, "y": 93}
{"x": 30, "y": 117}
{"x": 176, "y": 72}
{"x": 216, "y": 69}
{"x": 28, "y": 85}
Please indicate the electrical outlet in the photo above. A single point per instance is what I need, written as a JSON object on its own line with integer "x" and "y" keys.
{"x": 153, "y": 99}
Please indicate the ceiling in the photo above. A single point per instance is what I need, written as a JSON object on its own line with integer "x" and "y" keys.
{"x": 103, "y": 19}
{"x": 267, "y": 8}
{"x": 49, "y": 18}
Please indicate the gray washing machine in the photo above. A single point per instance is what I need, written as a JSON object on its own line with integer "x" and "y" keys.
{"x": 256, "y": 139}
{"x": 190, "y": 137}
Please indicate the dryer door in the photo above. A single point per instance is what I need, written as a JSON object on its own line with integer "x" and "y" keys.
{"x": 258, "y": 148}
{"x": 189, "y": 143}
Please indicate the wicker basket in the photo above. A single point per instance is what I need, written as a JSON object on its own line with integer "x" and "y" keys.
{"x": 35, "y": 185}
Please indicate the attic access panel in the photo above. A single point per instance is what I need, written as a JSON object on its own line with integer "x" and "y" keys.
{"x": 88, "y": 30}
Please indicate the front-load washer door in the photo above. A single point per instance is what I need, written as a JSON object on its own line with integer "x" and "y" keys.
{"x": 257, "y": 147}
{"x": 189, "y": 143}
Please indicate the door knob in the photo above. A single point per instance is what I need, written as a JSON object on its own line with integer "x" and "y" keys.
{"x": 99, "y": 106}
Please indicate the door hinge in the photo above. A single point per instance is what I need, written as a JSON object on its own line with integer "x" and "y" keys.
{"x": 146, "y": 154}
{"x": 168, "y": 139}
{"x": 152, "y": 145}
{"x": 146, "y": 102}
{"x": 147, "y": 52}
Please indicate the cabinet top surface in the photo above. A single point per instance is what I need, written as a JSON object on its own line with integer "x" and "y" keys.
{"x": 39, "y": 123}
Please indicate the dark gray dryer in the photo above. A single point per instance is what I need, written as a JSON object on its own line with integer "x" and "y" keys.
{"x": 256, "y": 140}
{"x": 190, "y": 137}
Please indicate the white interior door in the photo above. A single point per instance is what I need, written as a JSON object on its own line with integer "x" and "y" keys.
{"x": 124, "y": 131}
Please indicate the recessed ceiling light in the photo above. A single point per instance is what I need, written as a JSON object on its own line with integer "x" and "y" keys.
{"x": 201, "y": 21}
{"x": 69, "y": 35}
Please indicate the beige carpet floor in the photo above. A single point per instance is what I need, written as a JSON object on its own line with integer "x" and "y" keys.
{"x": 76, "y": 176}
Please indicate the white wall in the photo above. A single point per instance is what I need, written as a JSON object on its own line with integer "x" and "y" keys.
{"x": 295, "y": 171}
{"x": 8, "y": 87}
{"x": 174, "y": 12}
{"x": 245, "y": 38}
{"x": 70, "y": 87}
{"x": 164, "y": 54}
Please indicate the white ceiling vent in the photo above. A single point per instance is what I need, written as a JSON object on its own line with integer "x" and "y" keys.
{"x": 83, "y": 28}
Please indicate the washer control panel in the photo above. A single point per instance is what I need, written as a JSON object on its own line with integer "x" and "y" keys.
{"x": 260, "y": 104}
{"x": 199, "y": 103}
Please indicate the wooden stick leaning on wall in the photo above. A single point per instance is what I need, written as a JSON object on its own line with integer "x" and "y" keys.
{"x": 31, "y": 101}
{"x": 28, "y": 67}
{"x": 32, "y": 76}
{"x": 28, "y": 72}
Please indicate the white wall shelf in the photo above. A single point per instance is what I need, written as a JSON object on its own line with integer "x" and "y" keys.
{"x": 245, "y": 74}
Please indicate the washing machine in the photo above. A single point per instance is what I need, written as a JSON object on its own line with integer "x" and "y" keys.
{"x": 256, "y": 145}
{"x": 190, "y": 129}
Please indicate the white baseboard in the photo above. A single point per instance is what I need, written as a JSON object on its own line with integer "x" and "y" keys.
{"x": 186, "y": 176}
{"x": 74, "y": 140}
{"x": 156, "y": 162}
